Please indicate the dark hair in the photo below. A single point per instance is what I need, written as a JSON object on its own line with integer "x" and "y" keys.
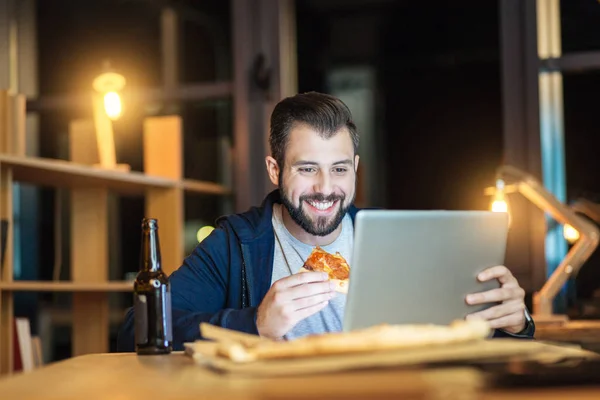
{"x": 324, "y": 113}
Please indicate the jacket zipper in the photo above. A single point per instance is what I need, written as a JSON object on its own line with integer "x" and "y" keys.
{"x": 244, "y": 288}
{"x": 246, "y": 294}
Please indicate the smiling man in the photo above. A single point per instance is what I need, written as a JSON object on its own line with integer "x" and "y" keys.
{"x": 244, "y": 275}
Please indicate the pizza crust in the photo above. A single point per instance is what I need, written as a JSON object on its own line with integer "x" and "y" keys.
{"x": 376, "y": 338}
{"x": 341, "y": 285}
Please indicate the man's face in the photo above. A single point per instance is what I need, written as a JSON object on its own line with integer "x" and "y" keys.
{"x": 318, "y": 180}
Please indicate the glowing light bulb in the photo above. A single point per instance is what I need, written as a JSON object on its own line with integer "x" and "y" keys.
{"x": 108, "y": 85}
{"x": 112, "y": 105}
{"x": 499, "y": 206}
{"x": 499, "y": 201}
{"x": 570, "y": 234}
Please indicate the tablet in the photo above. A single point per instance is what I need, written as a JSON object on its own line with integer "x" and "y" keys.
{"x": 418, "y": 266}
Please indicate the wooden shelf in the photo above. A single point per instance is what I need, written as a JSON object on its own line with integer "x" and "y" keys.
{"x": 61, "y": 173}
{"x": 65, "y": 286}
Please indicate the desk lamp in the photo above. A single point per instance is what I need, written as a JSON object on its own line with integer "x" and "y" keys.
{"x": 582, "y": 249}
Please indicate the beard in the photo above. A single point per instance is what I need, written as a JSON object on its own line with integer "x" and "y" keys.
{"x": 322, "y": 226}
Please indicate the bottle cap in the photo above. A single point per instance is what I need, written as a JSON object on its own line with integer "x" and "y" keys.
{"x": 149, "y": 223}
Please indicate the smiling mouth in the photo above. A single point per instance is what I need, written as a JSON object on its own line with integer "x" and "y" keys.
{"x": 322, "y": 205}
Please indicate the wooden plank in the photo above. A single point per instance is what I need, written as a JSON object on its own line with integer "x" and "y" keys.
{"x": 61, "y": 173}
{"x": 6, "y": 332}
{"x": 83, "y": 145}
{"x": 167, "y": 207}
{"x": 90, "y": 323}
{"x": 66, "y": 174}
{"x": 16, "y": 124}
{"x": 163, "y": 147}
{"x": 53, "y": 286}
{"x": 89, "y": 255}
{"x": 6, "y": 189}
{"x": 163, "y": 157}
{"x": 6, "y": 214}
{"x": 89, "y": 235}
{"x": 5, "y": 137}
{"x": 89, "y": 264}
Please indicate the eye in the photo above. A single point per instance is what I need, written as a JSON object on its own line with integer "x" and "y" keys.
{"x": 340, "y": 170}
{"x": 307, "y": 170}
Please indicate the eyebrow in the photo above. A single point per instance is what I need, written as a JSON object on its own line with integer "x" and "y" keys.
{"x": 316, "y": 164}
{"x": 344, "y": 162}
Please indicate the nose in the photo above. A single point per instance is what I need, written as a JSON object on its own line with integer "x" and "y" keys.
{"x": 323, "y": 184}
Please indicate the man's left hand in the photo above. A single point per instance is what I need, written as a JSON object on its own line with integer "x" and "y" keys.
{"x": 509, "y": 315}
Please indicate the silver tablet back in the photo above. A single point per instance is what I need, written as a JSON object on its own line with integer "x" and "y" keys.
{"x": 418, "y": 266}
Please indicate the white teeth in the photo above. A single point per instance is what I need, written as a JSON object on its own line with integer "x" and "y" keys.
{"x": 321, "y": 205}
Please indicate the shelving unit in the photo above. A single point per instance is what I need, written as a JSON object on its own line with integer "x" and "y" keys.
{"x": 64, "y": 286}
{"x": 161, "y": 184}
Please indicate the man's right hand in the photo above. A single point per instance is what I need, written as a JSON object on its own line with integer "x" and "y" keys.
{"x": 290, "y": 300}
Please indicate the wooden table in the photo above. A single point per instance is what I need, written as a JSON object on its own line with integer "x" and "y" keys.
{"x": 129, "y": 377}
{"x": 582, "y": 332}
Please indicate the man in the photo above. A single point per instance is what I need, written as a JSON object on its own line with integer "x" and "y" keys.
{"x": 243, "y": 276}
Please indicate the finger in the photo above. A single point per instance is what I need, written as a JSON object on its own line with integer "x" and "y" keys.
{"x": 509, "y": 321}
{"x": 305, "y": 302}
{"x": 308, "y": 311}
{"x": 299, "y": 279}
{"x": 499, "y": 311}
{"x": 499, "y": 272}
{"x": 494, "y": 295}
{"x": 309, "y": 289}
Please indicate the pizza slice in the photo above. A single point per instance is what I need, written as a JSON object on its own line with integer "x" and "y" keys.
{"x": 334, "y": 264}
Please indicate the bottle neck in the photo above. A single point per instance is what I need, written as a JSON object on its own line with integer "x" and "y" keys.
{"x": 150, "y": 260}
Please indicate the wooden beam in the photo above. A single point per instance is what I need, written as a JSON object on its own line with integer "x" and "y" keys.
{"x": 6, "y": 214}
{"x": 89, "y": 253}
{"x": 163, "y": 158}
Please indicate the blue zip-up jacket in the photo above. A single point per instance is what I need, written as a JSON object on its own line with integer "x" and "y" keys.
{"x": 225, "y": 278}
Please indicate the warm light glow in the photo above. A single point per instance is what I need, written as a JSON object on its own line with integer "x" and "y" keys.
{"x": 571, "y": 234}
{"x": 499, "y": 206}
{"x": 204, "y": 232}
{"x": 109, "y": 84}
{"x": 499, "y": 201}
{"x": 112, "y": 105}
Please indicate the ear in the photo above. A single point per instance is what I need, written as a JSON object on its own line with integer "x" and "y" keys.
{"x": 356, "y": 159}
{"x": 272, "y": 170}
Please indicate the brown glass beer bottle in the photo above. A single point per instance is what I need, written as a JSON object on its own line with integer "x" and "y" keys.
{"x": 152, "y": 297}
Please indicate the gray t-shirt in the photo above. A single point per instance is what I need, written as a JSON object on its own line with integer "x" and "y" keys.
{"x": 289, "y": 257}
